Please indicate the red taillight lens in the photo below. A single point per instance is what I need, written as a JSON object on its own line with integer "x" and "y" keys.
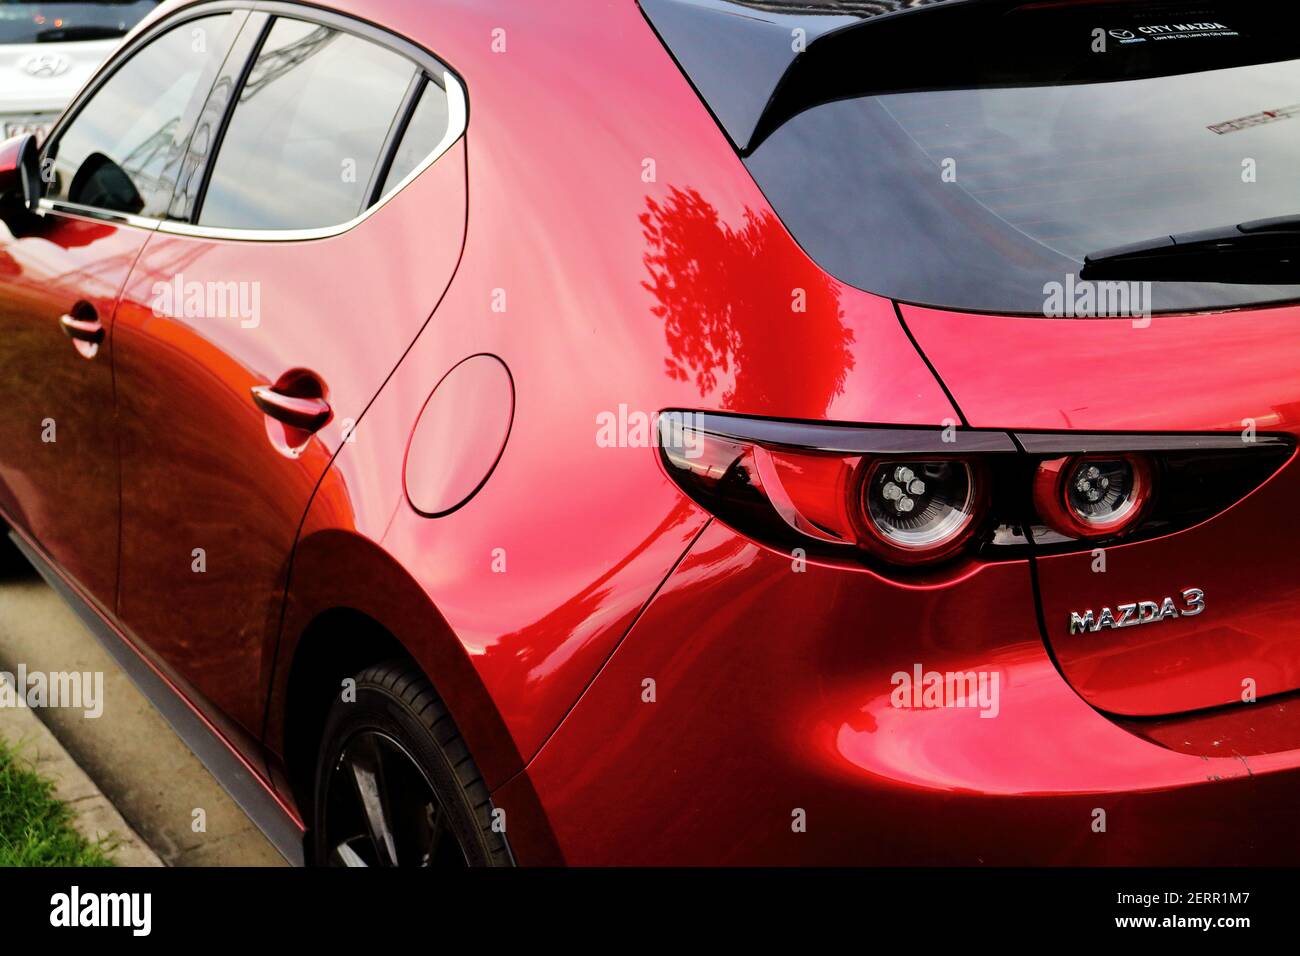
{"x": 904, "y": 510}
{"x": 812, "y": 493}
{"x": 1093, "y": 496}
{"x": 916, "y": 511}
{"x": 904, "y": 499}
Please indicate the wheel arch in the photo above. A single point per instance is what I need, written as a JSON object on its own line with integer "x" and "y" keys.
{"x": 351, "y": 605}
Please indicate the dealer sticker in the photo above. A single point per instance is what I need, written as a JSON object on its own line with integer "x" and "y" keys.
{"x": 1172, "y": 31}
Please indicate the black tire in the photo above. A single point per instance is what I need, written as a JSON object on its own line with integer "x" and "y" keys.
{"x": 398, "y": 718}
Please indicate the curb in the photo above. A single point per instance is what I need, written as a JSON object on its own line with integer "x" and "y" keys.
{"x": 153, "y": 779}
{"x": 96, "y": 818}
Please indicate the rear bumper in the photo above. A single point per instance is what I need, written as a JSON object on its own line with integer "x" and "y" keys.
{"x": 775, "y": 700}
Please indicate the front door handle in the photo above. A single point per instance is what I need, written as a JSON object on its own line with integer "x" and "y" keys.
{"x": 87, "y": 334}
{"x": 307, "y": 414}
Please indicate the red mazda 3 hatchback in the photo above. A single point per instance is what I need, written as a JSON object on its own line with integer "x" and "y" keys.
{"x": 685, "y": 431}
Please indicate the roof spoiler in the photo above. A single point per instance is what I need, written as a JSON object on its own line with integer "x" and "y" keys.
{"x": 737, "y": 52}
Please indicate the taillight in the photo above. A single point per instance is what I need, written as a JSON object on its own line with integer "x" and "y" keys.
{"x": 906, "y": 497}
{"x": 1093, "y": 496}
{"x": 911, "y": 498}
{"x": 916, "y": 511}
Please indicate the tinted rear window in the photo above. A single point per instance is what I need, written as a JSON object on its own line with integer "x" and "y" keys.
{"x": 979, "y": 186}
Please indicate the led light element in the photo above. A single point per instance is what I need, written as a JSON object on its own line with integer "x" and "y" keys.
{"x": 1093, "y": 496}
{"x": 919, "y": 511}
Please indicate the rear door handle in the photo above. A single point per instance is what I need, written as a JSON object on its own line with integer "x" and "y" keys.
{"x": 307, "y": 414}
{"x": 87, "y": 334}
{"x": 83, "y": 330}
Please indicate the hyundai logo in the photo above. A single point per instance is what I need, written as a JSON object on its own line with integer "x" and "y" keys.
{"x": 44, "y": 65}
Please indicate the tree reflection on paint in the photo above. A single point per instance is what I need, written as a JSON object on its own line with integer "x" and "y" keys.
{"x": 728, "y": 301}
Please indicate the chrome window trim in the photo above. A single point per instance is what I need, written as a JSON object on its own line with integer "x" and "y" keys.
{"x": 457, "y": 120}
{"x": 457, "y": 116}
{"x": 101, "y": 215}
{"x": 456, "y": 123}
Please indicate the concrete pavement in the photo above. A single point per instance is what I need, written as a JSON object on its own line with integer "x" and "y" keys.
{"x": 150, "y": 776}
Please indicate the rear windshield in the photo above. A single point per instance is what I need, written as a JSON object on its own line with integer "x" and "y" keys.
{"x": 53, "y": 21}
{"x": 1073, "y": 129}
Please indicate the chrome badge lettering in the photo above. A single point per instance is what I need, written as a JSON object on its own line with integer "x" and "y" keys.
{"x": 1139, "y": 612}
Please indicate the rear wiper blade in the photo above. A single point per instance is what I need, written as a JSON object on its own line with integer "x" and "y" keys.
{"x": 1262, "y": 251}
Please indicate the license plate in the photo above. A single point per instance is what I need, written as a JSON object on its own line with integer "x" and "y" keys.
{"x": 23, "y": 128}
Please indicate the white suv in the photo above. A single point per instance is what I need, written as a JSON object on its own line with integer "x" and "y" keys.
{"x": 49, "y": 48}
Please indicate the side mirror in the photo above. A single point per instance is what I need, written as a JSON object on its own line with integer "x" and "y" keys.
{"x": 102, "y": 183}
{"x": 20, "y": 174}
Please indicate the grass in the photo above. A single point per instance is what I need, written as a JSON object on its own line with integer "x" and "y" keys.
{"x": 35, "y": 827}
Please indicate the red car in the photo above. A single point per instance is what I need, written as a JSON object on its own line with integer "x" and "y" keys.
{"x": 685, "y": 431}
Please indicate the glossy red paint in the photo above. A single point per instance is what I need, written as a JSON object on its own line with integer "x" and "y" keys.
{"x": 10, "y": 154}
{"x": 459, "y": 436}
{"x": 631, "y": 316}
{"x": 18, "y": 163}
{"x": 1190, "y": 373}
{"x": 1052, "y": 503}
{"x": 1129, "y": 380}
{"x": 578, "y": 571}
{"x": 763, "y": 711}
{"x": 204, "y": 468}
{"x": 1246, "y": 633}
{"x": 58, "y": 475}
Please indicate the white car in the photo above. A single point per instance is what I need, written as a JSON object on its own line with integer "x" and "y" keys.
{"x": 49, "y": 48}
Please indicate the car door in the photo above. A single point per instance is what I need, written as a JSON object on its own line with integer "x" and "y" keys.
{"x": 318, "y": 220}
{"x": 112, "y": 163}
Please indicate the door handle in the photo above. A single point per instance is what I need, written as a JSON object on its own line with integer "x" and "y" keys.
{"x": 307, "y": 414}
{"x": 87, "y": 334}
{"x": 83, "y": 330}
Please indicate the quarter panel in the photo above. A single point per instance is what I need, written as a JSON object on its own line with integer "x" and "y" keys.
{"x": 619, "y": 260}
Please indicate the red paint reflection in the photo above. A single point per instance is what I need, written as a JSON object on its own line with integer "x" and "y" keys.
{"x": 712, "y": 283}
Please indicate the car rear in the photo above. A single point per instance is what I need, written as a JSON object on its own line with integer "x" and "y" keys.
{"x": 1155, "y": 415}
{"x": 1071, "y": 609}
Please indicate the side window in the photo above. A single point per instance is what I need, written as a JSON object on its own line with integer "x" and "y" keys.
{"x": 425, "y": 131}
{"x": 121, "y": 150}
{"x": 307, "y": 132}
